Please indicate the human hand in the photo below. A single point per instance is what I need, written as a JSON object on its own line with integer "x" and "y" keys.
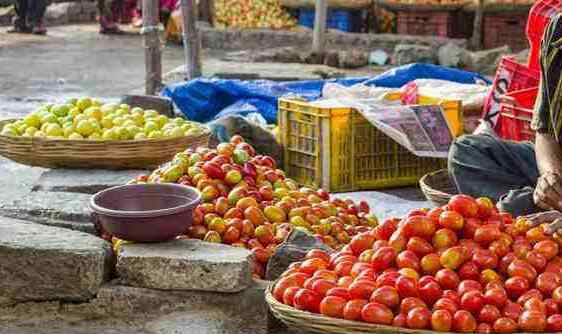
{"x": 553, "y": 218}
{"x": 548, "y": 192}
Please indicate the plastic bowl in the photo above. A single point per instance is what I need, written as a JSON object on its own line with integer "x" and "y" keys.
{"x": 145, "y": 212}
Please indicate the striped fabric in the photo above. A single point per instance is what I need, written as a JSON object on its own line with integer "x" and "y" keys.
{"x": 548, "y": 117}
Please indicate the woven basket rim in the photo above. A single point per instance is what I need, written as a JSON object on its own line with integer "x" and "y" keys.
{"x": 426, "y": 185}
{"x": 206, "y": 131}
{"x": 358, "y": 326}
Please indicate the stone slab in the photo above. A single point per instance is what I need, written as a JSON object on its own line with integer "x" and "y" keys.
{"x": 87, "y": 181}
{"x": 391, "y": 203}
{"x": 41, "y": 263}
{"x": 185, "y": 265}
{"x": 69, "y": 210}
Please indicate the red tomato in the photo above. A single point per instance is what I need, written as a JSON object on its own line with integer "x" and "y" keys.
{"x": 361, "y": 242}
{"x": 469, "y": 271}
{"x": 489, "y": 314}
{"x": 512, "y": 310}
{"x": 321, "y": 286}
{"x": 409, "y": 303}
{"x": 472, "y": 301}
{"x": 468, "y": 285}
{"x": 289, "y": 295}
{"x": 339, "y": 292}
{"x": 408, "y": 259}
{"x": 505, "y": 325}
{"x": 407, "y": 287}
{"x": 318, "y": 254}
{"x": 387, "y": 296}
{"x": 495, "y": 296}
{"x": 383, "y": 258}
{"x": 447, "y": 305}
{"x": 532, "y": 321}
{"x": 400, "y": 320}
{"x": 551, "y": 307}
{"x": 554, "y": 323}
{"x": 418, "y": 318}
{"x": 464, "y": 322}
{"x": 465, "y": 205}
{"x": 352, "y": 309}
{"x": 447, "y": 278}
{"x": 388, "y": 279}
{"x": 362, "y": 289}
{"x": 431, "y": 292}
{"x": 307, "y": 300}
{"x": 547, "y": 282}
{"x": 441, "y": 321}
{"x": 332, "y": 306}
{"x": 516, "y": 286}
{"x": 377, "y": 314}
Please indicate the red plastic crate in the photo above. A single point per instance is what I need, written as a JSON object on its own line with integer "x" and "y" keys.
{"x": 510, "y": 76}
{"x": 539, "y": 17}
{"x": 516, "y": 113}
{"x": 432, "y": 23}
{"x": 505, "y": 28}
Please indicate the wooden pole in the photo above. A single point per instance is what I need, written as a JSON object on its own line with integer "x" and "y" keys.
{"x": 319, "y": 34}
{"x": 476, "y": 41}
{"x": 152, "y": 54}
{"x": 191, "y": 40}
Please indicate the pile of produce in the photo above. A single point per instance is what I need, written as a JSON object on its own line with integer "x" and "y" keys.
{"x": 462, "y": 267}
{"x": 250, "y": 203}
{"x": 88, "y": 118}
{"x": 252, "y": 14}
{"x": 430, "y": 2}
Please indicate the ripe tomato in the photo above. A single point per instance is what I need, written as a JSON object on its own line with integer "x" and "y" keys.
{"x": 537, "y": 260}
{"x": 472, "y": 301}
{"x": 400, "y": 320}
{"x": 444, "y": 238}
{"x": 361, "y": 242}
{"x": 332, "y": 306}
{"x": 387, "y": 296}
{"x": 547, "y": 282}
{"x": 532, "y": 321}
{"x": 469, "y": 271}
{"x": 485, "y": 259}
{"x": 451, "y": 220}
{"x": 377, "y": 314}
{"x": 447, "y": 305}
{"x": 489, "y": 314}
{"x": 464, "y": 322}
{"x": 468, "y": 285}
{"x": 419, "y": 226}
{"x": 321, "y": 286}
{"x": 554, "y": 323}
{"x": 343, "y": 268}
{"x": 496, "y": 297}
{"x": 485, "y": 207}
{"x": 289, "y": 295}
{"x": 419, "y": 246}
{"x": 465, "y": 205}
{"x": 430, "y": 292}
{"x": 409, "y": 303}
{"x": 383, "y": 258}
{"x": 388, "y": 279}
{"x": 484, "y": 328}
{"x": 307, "y": 300}
{"x": 516, "y": 286}
{"x": 282, "y": 285}
{"x": 512, "y": 310}
{"x": 452, "y": 295}
{"x": 441, "y": 321}
{"x": 447, "y": 278}
{"x": 547, "y": 248}
{"x": 418, "y": 318}
{"x": 339, "y": 292}
{"x": 407, "y": 287}
{"x": 362, "y": 289}
{"x": 529, "y": 294}
{"x": 318, "y": 254}
{"x": 505, "y": 325}
{"x": 312, "y": 265}
{"x": 557, "y": 295}
{"x": 408, "y": 259}
{"x": 486, "y": 234}
{"x": 352, "y": 309}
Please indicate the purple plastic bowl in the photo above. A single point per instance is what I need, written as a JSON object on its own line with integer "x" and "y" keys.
{"x": 145, "y": 212}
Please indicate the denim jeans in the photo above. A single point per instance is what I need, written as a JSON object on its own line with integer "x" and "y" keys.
{"x": 503, "y": 170}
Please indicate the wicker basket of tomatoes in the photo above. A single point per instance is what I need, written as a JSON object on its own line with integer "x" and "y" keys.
{"x": 463, "y": 267}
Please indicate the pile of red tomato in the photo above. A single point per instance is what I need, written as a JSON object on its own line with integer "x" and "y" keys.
{"x": 462, "y": 267}
{"x": 248, "y": 202}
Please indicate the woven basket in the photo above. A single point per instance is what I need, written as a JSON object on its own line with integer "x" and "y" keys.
{"x": 438, "y": 187}
{"x": 317, "y": 323}
{"x": 121, "y": 154}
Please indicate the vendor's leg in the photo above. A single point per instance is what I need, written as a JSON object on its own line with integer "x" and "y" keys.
{"x": 20, "y": 20}
{"x": 36, "y": 14}
{"x": 505, "y": 171}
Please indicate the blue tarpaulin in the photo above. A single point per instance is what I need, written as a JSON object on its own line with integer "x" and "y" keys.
{"x": 204, "y": 99}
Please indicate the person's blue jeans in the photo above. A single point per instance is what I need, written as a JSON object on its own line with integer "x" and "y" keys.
{"x": 505, "y": 171}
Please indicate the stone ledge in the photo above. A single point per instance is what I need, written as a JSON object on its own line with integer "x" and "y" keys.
{"x": 84, "y": 181}
{"x": 41, "y": 263}
{"x": 185, "y": 265}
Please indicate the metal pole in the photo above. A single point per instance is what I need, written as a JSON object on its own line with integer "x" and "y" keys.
{"x": 319, "y": 34}
{"x": 191, "y": 40}
{"x": 152, "y": 54}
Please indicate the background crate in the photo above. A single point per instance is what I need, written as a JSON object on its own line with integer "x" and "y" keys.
{"x": 337, "y": 149}
{"x": 505, "y": 29}
{"x": 539, "y": 17}
{"x": 434, "y": 23}
{"x": 340, "y": 19}
{"x": 516, "y": 112}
